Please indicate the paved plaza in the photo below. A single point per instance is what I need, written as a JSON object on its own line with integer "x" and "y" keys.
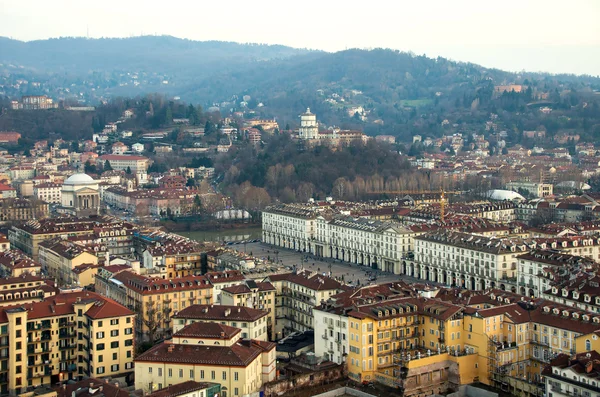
{"x": 348, "y": 272}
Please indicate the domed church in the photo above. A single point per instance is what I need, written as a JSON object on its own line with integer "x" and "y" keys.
{"x": 80, "y": 196}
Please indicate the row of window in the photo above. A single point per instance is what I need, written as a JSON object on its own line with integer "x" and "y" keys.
{"x": 213, "y": 374}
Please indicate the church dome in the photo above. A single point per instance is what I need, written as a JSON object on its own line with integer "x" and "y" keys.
{"x": 79, "y": 179}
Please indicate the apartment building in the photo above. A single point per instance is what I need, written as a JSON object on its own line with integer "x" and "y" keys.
{"x": 577, "y": 375}
{"x": 60, "y": 257}
{"x": 297, "y": 295}
{"x": 67, "y": 336}
{"x": 539, "y": 270}
{"x": 174, "y": 258}
{"x": 22, "y": 209}
{"x": 120, "y": 162}
{"x": 534, "y": 188}
{"x": 25, "y": 288}
{"x": 222, "y": 280}
{"x": 384, "y": 334}
{"x": 116, "y": 234}
{"x": 331, "y": 315}
{"x": 578, "y": 290}
{"x": 434, "y": 345}
{"x": 251, "y": 322}
{"x": 379, "y": 244}
{"x": 205, "y": 352}
{"x": 48, "y": 192}
{"x": 155, "y": 300}
{"x": 290, "y": 226}
{"x": 256, "y": 295}
{"x": 34, "y": 102}
{"x": 14, "y": 263}
{"x": 365, "y": 241}
{"x": 466, "y": 260}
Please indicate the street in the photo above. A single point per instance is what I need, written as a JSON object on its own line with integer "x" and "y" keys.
{"x": 350, "y": 273}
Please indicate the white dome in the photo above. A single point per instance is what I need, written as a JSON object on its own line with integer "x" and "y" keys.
{"x": 498, "y": 194}
{"x": 79, "y": 179}
{"x": 574, "y": 185}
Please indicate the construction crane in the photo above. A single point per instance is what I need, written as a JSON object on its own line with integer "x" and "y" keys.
{"x": 441, "y": 192}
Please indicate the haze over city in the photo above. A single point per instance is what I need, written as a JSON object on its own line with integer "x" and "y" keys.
{"x": 299, "y": 199}
{"x": 548, "y": 36}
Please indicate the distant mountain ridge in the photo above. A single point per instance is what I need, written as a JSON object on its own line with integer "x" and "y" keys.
{"x": 164, "y": 53}
{"x": 380, "y": 91}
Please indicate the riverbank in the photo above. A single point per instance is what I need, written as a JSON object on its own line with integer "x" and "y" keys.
{"x": 189, "y": 226}
{"x": 234, "y": 234}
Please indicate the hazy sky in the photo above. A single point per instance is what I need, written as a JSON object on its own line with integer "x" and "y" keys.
{"x": 550, "y": 35}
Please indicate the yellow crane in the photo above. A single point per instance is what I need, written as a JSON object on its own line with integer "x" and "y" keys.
{"x": 441, "y": 192}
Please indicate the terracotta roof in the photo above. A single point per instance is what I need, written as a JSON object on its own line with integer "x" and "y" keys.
{"x": 83, "y": 267}
{"x": 152, "y": 286}
{"x": 123, "y": 157}
{"x": 307, "y": 279}
{"x": 181, "y": 388}
{"x": 91, "y": 388}
{"x": 245, "y": 289}
{"x": 240, "y": 354}
{"x": 209, "y": 330}
{"x": 63, "y": 304}
{"x": 221, "y": 313}
{"x": 225, "y": 277}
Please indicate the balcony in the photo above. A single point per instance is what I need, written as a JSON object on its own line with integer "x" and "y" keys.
{"x": 324, "y": 337}
{"x": 505, "y": 345}
{"x": 33, "y": 326}
{"x": 68, "y": 346}
{"x": 539, "y": 343}
{"x": 63, "y": 335}
{"x": 386, "y": 365}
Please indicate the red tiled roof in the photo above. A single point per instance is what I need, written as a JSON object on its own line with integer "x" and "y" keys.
{"x": 181, "y": 389}
{"x": 123, "y": 157}
{"x": 315, "y": 282}
{"x": 151, "y": 286}
{"x": 91, "y": 388}
{"x": 221, "y": 313}
{"x": 240, "y": 354}
{"x": 63, "y": 304}
{"x": 210, "y": 330}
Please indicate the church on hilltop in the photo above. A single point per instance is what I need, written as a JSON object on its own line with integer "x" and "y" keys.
{"x": 333, "y": 136}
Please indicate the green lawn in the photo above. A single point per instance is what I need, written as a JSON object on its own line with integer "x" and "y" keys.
{"x": 415, "y": 103}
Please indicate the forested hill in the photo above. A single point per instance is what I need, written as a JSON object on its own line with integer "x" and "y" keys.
{"x": 155, "y": 54}
{"x": 377, "y": 91}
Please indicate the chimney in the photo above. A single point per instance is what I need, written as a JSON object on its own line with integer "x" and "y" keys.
{"x": 91, "y": 385}
{"x": 171, "y": 348}
{"x": 117, "y": 385}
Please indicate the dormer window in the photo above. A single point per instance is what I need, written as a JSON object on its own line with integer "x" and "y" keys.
{"x": 565, "y": 292}
{"x": 575, "y": 295}
{"x": 554, "y": 290}
{"x": 556, "y": 311}
{"x": 587, "y": 298}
